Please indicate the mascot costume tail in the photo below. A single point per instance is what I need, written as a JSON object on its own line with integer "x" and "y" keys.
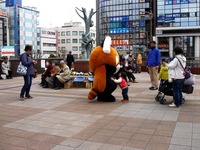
{"x": 104, "y": 63}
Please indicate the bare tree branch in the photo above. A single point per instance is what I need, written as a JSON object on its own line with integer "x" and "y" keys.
{"x": 79, "y": 14}
{"x": 79, "y": 9}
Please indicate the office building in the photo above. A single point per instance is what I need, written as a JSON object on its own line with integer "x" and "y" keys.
{"x": 4, "y": 41}
{"x": 130, "y": 23}
{"x": 70, "y": 38}
{"x": 23, "y": 23}
{"x": 47, "y": 42}
{"x": 178, "y": 25}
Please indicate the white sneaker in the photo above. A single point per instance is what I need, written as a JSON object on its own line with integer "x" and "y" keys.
{"x": 172, "y": 105}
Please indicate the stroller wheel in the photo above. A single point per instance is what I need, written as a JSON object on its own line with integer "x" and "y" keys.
{"x": 183, "y": 101}
{"x": 163, "y": 101}
{"x": 159, "y": 97}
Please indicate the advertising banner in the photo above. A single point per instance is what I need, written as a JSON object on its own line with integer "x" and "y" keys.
{"x": 3, "y": 13}
{"x": 7, "y": 51}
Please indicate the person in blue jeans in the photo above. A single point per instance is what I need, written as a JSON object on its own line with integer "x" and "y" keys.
{"x": 177, "y": 74}
{"x": 27, "y": 61}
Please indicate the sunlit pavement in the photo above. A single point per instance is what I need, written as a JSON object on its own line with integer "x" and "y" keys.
{"x": 66, "y": 120}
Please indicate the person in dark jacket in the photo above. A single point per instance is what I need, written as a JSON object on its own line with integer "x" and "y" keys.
{"x": 27, "y": 61}
{"x": 153, "y": 63}
{"x": 70, "y": 60}
{"x": 46, "y": 74}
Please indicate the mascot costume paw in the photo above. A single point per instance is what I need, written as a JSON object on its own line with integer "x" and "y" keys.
{"x": 104, "y": 62}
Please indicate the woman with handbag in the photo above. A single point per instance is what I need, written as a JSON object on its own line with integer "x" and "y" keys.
{"x": 27, "y": 61}
{"x": 177, "y": 66}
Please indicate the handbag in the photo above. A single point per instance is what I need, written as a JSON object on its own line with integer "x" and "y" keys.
{"x": 21, "y": 69}
{"x": 190, "y": 80}
{"x": 186, "y": 72}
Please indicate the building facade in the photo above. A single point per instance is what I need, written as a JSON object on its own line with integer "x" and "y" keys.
{"x": 4, "y": 41}
{"x": 47, "y": 42}
{"x": 130, "y": 23}
{"x": 178, "y": 25}
{"x": 23, "y": 22}
{"x": 69, "y": 38}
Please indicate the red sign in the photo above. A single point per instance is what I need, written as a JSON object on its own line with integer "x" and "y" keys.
{"x": 3, "y": 13}
{"x": 120, "y": 42}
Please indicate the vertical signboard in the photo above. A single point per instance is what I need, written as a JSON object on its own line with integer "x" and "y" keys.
{"x": 10, "y": 3}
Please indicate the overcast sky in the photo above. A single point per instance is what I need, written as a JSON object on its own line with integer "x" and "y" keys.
{"x": 54, "y": 13}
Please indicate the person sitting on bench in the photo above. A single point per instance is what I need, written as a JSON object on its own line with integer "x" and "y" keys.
{"x": 63, "y": 77}
{"x": 5, "y": 67}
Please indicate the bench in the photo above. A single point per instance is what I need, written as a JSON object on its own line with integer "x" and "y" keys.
{"x": 79, "y": 82}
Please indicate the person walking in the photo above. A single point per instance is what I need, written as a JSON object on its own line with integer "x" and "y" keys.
{"x": 27, "y": 61}
{"x": 177, "y": 66}
{"x": 139, "y": 62}
{"x": 5, "y": 67}
{"x": 153, "y": 63}
{"x": 70, "y": 60}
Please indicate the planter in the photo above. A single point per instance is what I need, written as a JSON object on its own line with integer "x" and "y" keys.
{"x": 81, "y": 66}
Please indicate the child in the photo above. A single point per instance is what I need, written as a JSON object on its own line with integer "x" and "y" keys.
{"x": 123, "y": 85}
{"x": 163, "y": 75}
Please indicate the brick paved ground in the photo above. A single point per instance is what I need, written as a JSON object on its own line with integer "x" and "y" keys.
{"x": 65, "y": 120}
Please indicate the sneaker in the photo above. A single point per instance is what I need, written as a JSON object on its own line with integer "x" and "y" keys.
{"x": 134, "y": 81}
{"x": 173, "y": 105}
{"x": 28, "y": 97}
{"x": 22, "y": 99}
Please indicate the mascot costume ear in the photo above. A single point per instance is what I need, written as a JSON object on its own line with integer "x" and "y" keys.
{"x": 104, "y": 62}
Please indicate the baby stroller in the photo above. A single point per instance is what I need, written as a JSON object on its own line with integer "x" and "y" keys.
{"x": 166, "y": 89}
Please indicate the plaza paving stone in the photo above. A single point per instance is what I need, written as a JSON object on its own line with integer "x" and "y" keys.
{"x": 66, "y": 120}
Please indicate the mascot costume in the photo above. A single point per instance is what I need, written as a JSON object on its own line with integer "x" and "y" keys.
{"x": 104, "y": 63}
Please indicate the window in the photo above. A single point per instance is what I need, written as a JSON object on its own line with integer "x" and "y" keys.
{"x": 68, "y": 40}
{"x": 62, "y": 48}
{"x": 75, "y": 41}
{"x": 63, "y": 41}
{"x": 75, "y": 48}
{"x": 59, "y": 41}
{"x": 68, "y": 33}
{"x": 74, "y": 33}
{"x": 80, "y": 48}
{"x": 81, "y": 33}
{"x": 62, "y": 33}
{"x": 58, "y": 33}
{"x": 80, "y": 40}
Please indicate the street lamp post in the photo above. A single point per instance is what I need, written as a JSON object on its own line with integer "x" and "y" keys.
{"x": 150, "y": 18}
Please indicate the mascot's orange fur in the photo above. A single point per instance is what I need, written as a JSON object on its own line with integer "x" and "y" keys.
{"x": 103, "y": 63}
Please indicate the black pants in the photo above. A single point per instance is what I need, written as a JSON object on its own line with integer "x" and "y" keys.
{"x": 57, "y": 83}
{"x": 125, "y": 94}
{"x": 130, "y": 76}
{"x": 9, "y": 76}
{"x": 69, "y": 64}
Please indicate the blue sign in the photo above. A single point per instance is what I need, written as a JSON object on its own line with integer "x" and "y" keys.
{"x": 174, "y": 2}
{"x": 10, "y": 3}
{"x": 119, "y": 24}
{"x": 142, "y": 23}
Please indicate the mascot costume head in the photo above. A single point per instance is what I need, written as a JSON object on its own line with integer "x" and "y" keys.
{"x": 104, "y": 62}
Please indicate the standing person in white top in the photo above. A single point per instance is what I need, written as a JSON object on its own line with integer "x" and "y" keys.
{"x": 177, "y": 74}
